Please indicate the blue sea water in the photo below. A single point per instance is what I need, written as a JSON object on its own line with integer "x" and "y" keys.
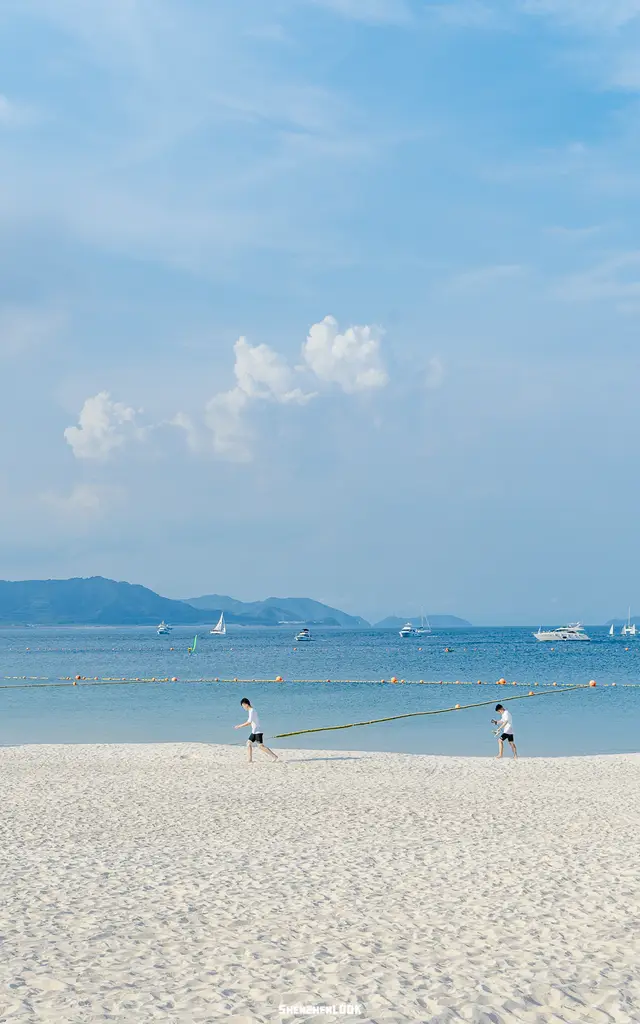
{"x": 604, "y": 719}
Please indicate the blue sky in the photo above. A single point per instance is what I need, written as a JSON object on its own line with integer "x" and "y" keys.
{"x": 325, "y": 297}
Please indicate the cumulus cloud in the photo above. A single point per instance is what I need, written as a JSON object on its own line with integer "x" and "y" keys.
{"x": 224, "y": 418}
{"x": 103, "y": 426}
{"x": 351, "y": 360}
{"x": 262, "y": 373}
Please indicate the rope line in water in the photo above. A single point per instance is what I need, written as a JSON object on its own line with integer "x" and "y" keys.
{"x": 15, "y": 682}
{"x": 440, "y": 711}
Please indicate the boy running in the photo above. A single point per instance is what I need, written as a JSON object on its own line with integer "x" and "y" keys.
{"x": 256, "y": 730}
{"x": 505, "y": 729}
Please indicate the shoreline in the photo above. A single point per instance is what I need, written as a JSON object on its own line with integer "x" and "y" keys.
{"x": 174, "y": 882}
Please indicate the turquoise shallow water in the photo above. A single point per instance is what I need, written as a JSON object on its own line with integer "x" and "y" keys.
{"x": 600, "y": 720}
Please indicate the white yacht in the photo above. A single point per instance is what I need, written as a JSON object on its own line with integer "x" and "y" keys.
{"x": 163, "y": 629}
{"x": 630, "y": 629}
{"x": 303, "y": 635}
{"x": 408, "y": 629}
{"x": 220, "y": 628}
{"x": 574, "y": 631}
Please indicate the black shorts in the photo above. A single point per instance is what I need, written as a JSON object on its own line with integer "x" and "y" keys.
{"x": 256, "y": 737}
{"x": 507, "y": 736}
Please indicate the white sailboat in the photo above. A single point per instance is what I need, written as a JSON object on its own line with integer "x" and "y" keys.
{"x": 424, "y": 627}
{"x": 630, "y": 629}
{"x": 611, "y": 630}
{"x": 219, "y": 629}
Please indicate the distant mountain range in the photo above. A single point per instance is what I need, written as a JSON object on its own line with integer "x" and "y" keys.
{"x": 102, "y": 602}
{"x": 441, "y": 621}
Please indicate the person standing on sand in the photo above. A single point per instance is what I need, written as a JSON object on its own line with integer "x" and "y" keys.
{"x": 256, "y": 732}
{"x": 505, "y": 729}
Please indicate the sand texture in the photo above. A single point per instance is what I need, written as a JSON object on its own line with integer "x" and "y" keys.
{"x": 176, "y": 883}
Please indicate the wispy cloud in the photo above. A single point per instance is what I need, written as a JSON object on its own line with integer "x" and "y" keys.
{"x": 85, "y": 502}
{"x": 22, "y": 328}
{"x": 394, "y": 12}
{"x": 616, "y": 278}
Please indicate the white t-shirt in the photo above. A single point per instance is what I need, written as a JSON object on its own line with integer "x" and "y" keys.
{"x": 255, "y": 721}
{"x": 506, "y": 722}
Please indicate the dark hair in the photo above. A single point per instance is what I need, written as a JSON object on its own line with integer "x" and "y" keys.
{"x": 499, "y": 707}
{"x": 245, "y": 700}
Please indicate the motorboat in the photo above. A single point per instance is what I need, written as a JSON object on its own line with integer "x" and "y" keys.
{"x": 574, "y": 631}
{"x": 163, "y": 629}
{"x": 220, "y": 628}
{"x": 408, "y": 630}
{"x": 303, "y": 635}
{"x": 630, "y": 629}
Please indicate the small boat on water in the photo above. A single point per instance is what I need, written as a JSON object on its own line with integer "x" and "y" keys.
{"x": 220, "y": 628}
{"x": 630, "y": 629}
{"x": 408, "y": 630}
{"x": 611, "y": 630}
{"x": 163, "y": 629}
{"x": 303, "y": 635}
{"x": 574, "y": 631}
{"x": 424, "y": 627}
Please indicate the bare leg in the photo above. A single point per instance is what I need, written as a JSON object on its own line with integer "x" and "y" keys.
{"x": 269, "y": 752}
{"x": 500, "y": 748}
{"x": 513, "y": 747}
{"x": 249, "y": 751}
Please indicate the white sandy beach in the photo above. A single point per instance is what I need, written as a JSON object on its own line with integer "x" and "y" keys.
{"x": 176, "y": 883}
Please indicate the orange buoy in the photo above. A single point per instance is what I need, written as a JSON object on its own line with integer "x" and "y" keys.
{"x": 328, "y": 680}
{"x": 394, "y": 679}
{"x": 279, "y": 679}
{"x": 74, "y": 683}
{"x": 531, "y": 693}
{"x": 422, "y": 680}
{"x": 479, "y": 682}
{"x": 554, "y": 684}
{"x": 613, "y": 684}
{"x": 382, "y": 680}
{"x": 592, "y": 683}
{"x": 457, "y": 705}
{"x": 77, "y": 677}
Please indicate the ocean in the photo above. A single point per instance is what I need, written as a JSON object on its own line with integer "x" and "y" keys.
{"x": 600, "y": 720}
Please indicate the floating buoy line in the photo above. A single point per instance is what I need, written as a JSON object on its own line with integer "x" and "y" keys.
{"x": 13, "y": 681}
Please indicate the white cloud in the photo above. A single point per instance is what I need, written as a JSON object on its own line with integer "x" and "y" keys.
{"x": 22, "y": 328}
{"x": 589, "y": 15}
{"x": 395, "y": 12}
{"x": 435, "y": 373}
{"x": 83, "y": 502}
{"x": 616, "y": 278}
{"x": 224, "y": 416}
{"x": 103, "y": 426}
{"x": 262, "y": 373}
{"x": 351, "y": 360}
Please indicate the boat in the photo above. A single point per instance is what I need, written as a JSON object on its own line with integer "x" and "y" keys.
{"x": 611, "y": 630}
{"x": 163, "y": 629}
{"x": 422, "y": 628}
{"x": 630, "y": 629}
{"x": 408, "y": 630}
{"x": 303, "y": 635}
{"x": 574, "y": 631}
{"x": 219, "y": 629}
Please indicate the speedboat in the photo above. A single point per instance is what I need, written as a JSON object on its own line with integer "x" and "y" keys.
{"x": 303, "y": 635}
{"x": 408, "y": 630}
{"x": 163, "y": 629}
{"x": 574, "y": 631}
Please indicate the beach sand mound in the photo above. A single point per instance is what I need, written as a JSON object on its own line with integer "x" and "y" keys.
{"x": 176, "y": 883}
